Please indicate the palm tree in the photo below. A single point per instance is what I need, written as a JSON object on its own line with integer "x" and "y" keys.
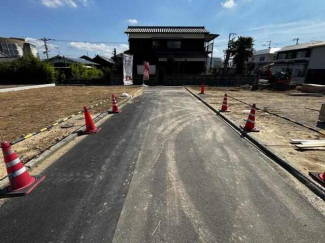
{"x": 241, "y": 50}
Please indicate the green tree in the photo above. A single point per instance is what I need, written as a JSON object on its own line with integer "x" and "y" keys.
{"x": 27, "y": 69}
{"x": 79, "y": 71}
{"x": 241, "y": 50}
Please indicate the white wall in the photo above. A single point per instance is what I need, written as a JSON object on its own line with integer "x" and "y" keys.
{"x": 317, "y": 59}
{"x": 268, "y": 58}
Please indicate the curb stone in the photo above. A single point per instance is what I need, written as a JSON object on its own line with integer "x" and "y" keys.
{"x": 30, "y": 165}
{"x": 320, "y": 192}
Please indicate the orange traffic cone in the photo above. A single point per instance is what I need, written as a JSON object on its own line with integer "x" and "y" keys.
{"x": 224, "y": 107}
{"x": 21, "y": 183}
{"x": 202, "y": 89}
{"x": 114, "y": 105}
{"x": 320, "y": 177}
{"x": 250, "y": 123}
{"x": 90, "y": 126}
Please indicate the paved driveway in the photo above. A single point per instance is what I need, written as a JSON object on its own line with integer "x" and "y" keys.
{"x": 166, "y": 169}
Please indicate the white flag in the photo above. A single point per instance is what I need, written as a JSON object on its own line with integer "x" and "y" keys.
{"x": 127, "y": 69}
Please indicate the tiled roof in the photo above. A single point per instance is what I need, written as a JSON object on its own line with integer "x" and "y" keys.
{"x": 266, "y": 51}
{"x": 310, "y": 44}
{"x": 167, "y": 29}
{"x": 106, "y": 59}
{"x": 71, "y": 59}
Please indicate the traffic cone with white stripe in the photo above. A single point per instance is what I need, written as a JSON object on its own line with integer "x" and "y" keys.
{"x": 202, "y": 89}
{"x": 319, "y": 177}
{"x": 114, "y": 105}
{"x": 250, "y": 123}
{"x": 224, "y": 107}
{"x": 21, "y": 183}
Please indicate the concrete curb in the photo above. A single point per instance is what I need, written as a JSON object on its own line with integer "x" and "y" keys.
{"x": 26, "y": 87}
{"x": 46, "y": 154}
{"x": 268, "y": 152}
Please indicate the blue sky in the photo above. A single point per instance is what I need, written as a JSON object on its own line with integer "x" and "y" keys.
{"x": 96, "y": 21}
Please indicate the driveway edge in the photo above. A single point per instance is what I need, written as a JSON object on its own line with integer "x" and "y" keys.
{"x": 30, "y": 165}
{"x": 320, "y": 192}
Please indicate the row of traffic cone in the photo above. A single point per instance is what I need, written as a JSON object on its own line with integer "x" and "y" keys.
{"x": 250, "y": 127}
{"x": 250, "y": 122}
{"x": 90, "y": 126}
{"x": 20, "y": 181}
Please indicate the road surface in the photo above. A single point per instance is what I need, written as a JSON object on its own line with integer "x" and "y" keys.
{"x": 166, "y": 169}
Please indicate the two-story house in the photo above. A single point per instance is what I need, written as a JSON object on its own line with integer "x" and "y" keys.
{"x": 170, "y": 50}
{"x": 306, "y": 62}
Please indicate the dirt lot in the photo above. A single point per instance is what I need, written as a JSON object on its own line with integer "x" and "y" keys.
{"x": 276, "y": 132}
{"x": 27, "y": 111}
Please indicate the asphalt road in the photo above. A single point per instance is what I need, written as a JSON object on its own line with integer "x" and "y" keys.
{"x": 166, "y": 169}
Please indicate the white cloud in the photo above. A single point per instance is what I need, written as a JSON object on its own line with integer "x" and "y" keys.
{"x": 62, "y": 3}
{"x": 132, "y": 21}
{"x": 228, "y": 4}
{"x": 40, "y": 44}
{"x": 101, "y": 49}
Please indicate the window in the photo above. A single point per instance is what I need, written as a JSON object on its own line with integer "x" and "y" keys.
{"x": 155, "y": 44}
{"x": 290, "y": 55}
{"x": 173, "y": 44}
{"x": 281, "y": 56}
{"x": 262, "y": 59}
{"x": 301, "y": 54}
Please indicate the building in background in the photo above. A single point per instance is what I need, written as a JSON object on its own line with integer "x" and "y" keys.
{"x": 101, "y": 60}
{"x": 264, "y": 57}
{"x": 62, "y": 62}
{"x": 305, "y": 61}
{"x": 13, "y": 48}
{"x": 170, "y": 49}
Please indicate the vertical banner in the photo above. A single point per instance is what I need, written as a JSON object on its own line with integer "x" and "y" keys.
{"x": 146, "y": 71}
{"x": 127, "y": 69}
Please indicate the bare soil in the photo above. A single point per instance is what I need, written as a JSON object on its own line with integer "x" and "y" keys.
{"x": 27, "y": 111}
{"x": 276, "y": 132}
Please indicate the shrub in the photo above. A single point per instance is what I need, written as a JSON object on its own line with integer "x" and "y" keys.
{"x": 27, "y": 70}
{"x": 78, "y": 72}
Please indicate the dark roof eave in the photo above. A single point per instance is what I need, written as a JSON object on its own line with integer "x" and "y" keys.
{"x": 167, "y": 29}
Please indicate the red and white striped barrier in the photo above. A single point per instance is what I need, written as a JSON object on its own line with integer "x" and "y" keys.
{"x": 21, "y": 183}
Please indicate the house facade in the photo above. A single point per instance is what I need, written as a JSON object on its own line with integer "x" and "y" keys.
{"x": 306, "y": 62}
{"x": 264, "y": 57}
{"x": 170, "y": 50}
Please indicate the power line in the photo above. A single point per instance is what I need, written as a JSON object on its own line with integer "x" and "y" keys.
{"x": 95, "y": 42}
{"x": 291, "y": 21}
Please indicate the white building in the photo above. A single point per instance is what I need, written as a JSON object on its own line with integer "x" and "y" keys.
{"x": 264, "y": 57}
{"x": 305, "y": 61}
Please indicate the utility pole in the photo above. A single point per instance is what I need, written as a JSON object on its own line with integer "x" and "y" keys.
{"x": 114, "y": 56}
{"x": 45, "y": 40}
{"x": 270, "y": 42}
{"x": 228, "y": 53}
{"x": 297, "y": 40}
